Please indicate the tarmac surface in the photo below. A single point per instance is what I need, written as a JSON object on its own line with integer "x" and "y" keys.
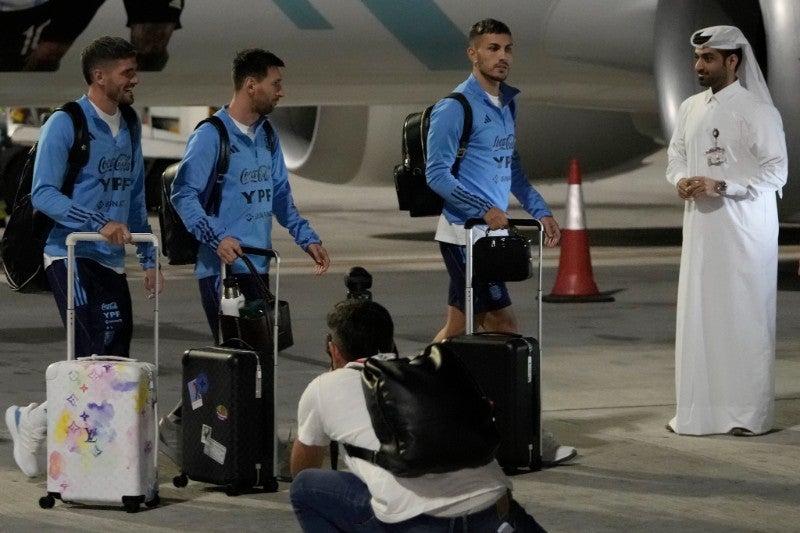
{"x": 608, "y": 372}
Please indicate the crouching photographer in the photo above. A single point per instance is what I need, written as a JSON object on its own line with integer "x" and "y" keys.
{"x": 371, "y": 497}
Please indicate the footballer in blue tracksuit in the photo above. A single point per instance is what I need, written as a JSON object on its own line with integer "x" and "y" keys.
{"x": 108, "y": 197}
{"x": 254, "y": 189}
{"x": 489, "y": 171}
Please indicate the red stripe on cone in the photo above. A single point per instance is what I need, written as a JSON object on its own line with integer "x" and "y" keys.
{"x": 575, "y": 281}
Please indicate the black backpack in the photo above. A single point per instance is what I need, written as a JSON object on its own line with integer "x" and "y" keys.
{"x": 177, "y": 243}
{"x": 428, "y": 413}
{"x": 413, "y": 193}
{"x": 22, "y": 245}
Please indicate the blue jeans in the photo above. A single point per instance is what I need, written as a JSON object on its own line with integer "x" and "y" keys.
{"x": 329, "y": 500}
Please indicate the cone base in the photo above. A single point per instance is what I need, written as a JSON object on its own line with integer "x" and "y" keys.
{"x": 577, "y": 298}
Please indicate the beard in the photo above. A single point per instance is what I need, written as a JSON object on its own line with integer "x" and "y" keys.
{"x": 709, "y": 80}
{"x": 126, "y": 97}
{"x": 495, "y": 74}
{"x": 265, "y": 108}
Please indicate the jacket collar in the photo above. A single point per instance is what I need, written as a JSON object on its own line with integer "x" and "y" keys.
{"x": 507, "y": 92}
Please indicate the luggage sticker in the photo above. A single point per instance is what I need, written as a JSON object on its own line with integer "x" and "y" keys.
{"x": 205, "y": 433}
{"x": 197, "y": 388}
{"x": 215, "y": 450}
{"x": 222, "y": 412}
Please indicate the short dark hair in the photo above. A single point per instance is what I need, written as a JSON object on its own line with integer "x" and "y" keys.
{"x": 253, "y": 62}
{"x": 361, "y": 328}
{"x": 488, "y": 26}
{"x": 727, "y": 53}
{"x": 103, "y": 50}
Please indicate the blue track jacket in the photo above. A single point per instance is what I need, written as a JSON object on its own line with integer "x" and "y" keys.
{"x": 491, "y": 168}
{"x": 255, "y": 188}
{"x": 109, "y": 188}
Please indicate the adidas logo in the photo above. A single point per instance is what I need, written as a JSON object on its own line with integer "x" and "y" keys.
{"x": 234, "y": 149}
{"x": 486, "y": 119}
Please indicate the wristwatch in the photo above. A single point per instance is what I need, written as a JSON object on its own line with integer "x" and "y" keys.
{"x": 721, "y": 187}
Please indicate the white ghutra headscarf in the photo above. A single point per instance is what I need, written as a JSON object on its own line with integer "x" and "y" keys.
{"x": 732, "y": 38}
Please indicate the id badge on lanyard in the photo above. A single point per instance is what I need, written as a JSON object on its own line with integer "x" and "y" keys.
{"x": 715, "y": 156}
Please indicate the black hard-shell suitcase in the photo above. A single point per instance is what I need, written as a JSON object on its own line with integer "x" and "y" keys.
{"x": 228, "y": 418}
{"x": 508, "y": 369}
{"x": 228, "y": 412}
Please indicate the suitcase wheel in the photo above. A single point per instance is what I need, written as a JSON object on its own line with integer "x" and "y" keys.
{"x": 232, "y": 490}
{"x": 154, "y": 502}
{"x": 180, "y": 481}
{"x": 271, "y": 485}
{"x": 131, "y": 503}
{"x": 47, "y": 502}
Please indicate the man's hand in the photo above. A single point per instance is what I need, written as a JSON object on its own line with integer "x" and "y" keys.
{"x": 705, "y": 187}
{"x": 229, "y": 250}
{"x": 116, "y": 233}
{"x": 153, "y": 280}
{"x": 495, "y": 218}
{"x": 320, "y": 256}
{"x": 697, "y": 187}
{"x": 685, "y": 188}
{"x": 552, "y": 233}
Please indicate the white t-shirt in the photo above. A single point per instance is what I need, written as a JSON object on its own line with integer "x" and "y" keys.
{"x": 333, "y": 408}
{"x": 456, "y": 234}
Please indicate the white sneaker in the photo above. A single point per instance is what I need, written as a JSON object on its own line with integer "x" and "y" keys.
{"x": 27, "y": 437}
{"x": 553, "y": 453}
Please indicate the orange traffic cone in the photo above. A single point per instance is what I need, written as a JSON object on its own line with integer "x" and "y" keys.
{"x": 575, "y": 281}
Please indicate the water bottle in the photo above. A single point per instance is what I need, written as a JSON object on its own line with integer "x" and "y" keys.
{"x": 232, "y": 300}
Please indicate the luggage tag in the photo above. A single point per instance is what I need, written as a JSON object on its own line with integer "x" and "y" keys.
{"x": 715, "y": 156}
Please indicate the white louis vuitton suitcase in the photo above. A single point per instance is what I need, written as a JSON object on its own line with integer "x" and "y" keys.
{"x": 102, "y": 435}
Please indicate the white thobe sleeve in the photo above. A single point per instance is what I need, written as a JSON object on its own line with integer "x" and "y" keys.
{"x": 767, "y": 143}
{"x": 677, "y": 167}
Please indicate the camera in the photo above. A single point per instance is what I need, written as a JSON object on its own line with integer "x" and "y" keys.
{"x": 358, "y": 282}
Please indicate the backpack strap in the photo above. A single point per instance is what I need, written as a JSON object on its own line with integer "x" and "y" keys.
{"x": 79, "y": 151}
{"x": 270, "y": 131}
{"x": 370, "y": 456}
{"x": 133, "y": 126}
{"x": 463, "y": 142}
{"x": 223, "y": 161}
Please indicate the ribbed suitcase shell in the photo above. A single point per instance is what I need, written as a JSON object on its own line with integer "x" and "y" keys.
{"x": 100, "y": 431}
{"x": 507, "y": 369}
{"x": 228, "y": 417}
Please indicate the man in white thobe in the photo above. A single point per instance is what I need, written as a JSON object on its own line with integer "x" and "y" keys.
{"x": 727, "y": 159}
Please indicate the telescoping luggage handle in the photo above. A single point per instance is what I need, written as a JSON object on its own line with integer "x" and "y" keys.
{"x": 74, "y": 238}
{"x": 269, "y": 254}
{"x": 469, "y": 226}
